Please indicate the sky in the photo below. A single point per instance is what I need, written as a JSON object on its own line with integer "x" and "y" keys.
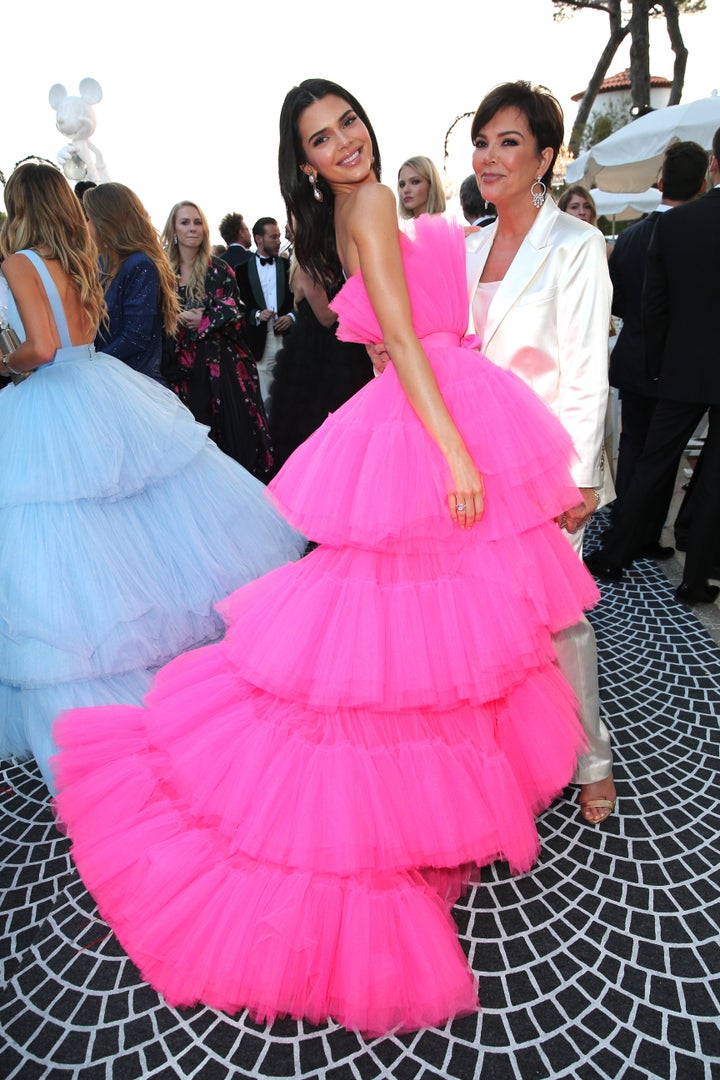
{"x": 192, "y": 92}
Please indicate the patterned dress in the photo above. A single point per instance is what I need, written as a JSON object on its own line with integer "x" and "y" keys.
{"x": 213, "y": 372}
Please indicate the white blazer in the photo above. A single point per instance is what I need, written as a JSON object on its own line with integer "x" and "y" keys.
{"x": 549, "y": 322}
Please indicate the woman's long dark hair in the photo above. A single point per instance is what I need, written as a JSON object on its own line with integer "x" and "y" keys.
{"x": 313, "y": 221}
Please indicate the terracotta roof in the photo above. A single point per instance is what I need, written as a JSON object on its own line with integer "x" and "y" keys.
{"x": 621, "y": 81}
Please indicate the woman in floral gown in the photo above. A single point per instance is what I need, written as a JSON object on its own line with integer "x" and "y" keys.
{"x": 208, "y": 362}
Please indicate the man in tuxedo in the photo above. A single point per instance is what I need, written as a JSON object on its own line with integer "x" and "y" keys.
{"x": 236, "y": 234}
{"x": 680, "y": 324}
{"x": 475, "y": 210}
{"x": 683, "y": 178}
{"x": 264, "y": 287}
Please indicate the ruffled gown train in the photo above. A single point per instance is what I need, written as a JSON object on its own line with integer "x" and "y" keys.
{"x": 287, "y": 821}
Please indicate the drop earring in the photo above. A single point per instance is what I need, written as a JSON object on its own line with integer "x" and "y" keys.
{"x": 175, "y": 239}
{"x": 317, "y": 193}
{"x": 538, "y": 197}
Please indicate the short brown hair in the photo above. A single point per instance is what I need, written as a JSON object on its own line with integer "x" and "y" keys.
{"x": 540, "y": 108}
{"x": 230, "y": 227}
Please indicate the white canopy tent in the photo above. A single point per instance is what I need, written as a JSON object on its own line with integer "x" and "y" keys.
{"x": 624, "y": 206}
{"x": 630, "y": 159}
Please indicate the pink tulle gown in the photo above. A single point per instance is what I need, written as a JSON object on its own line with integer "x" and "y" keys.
{"x": 286, "y": 822}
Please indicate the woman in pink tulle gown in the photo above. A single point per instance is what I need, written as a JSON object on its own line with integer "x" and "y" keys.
{"x": 286, "y": 823}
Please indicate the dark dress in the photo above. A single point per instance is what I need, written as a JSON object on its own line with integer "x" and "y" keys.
{"x": 134, "y": 330}
{"x": 315, "y": 375}
{"x": 213, "y": 372}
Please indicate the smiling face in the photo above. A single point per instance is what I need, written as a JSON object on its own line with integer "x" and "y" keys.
{"x": 336, "y": 144}
{"x": 414, "y": 190}
{"x": 506, "y": 161}
{"x": 189, "y": 226}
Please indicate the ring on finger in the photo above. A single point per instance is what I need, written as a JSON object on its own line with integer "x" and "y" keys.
{"x": 461, "y": 506}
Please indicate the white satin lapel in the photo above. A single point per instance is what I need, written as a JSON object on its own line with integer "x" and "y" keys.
{"x": 477, "y": 249}
{"x": 528, "y": 262}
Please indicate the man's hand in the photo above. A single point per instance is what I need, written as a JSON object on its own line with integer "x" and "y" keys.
{"x": 282, "y": 324}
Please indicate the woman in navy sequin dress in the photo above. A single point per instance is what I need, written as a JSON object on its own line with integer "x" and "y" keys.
{"x": 138, "y": 280}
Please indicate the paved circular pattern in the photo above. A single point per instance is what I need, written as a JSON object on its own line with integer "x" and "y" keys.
{"x": 603, "y": 962}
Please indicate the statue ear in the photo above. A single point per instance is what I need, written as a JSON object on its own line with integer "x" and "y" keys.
{"x": 57, "y": 95}
{"x": 90, "y": 91}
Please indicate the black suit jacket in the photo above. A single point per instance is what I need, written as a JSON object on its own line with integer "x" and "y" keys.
{"x": 681, "y": 299}
{"x": 252, "y": 297}
{"x": 236, "y": 255}
{"x": 628, "y": 369}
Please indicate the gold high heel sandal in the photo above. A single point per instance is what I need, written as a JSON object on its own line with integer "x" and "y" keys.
{"x": 608, "y": 805}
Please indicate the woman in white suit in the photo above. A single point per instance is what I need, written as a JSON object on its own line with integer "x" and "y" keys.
{"x": 540, "y": 302}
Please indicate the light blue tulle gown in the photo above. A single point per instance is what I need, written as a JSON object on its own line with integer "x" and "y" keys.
{"x": 121, "y": 525}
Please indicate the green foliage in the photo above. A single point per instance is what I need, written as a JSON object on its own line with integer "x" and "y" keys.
{"x": 615, "y": 115}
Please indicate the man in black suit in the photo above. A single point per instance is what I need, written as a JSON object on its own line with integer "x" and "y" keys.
{"x": 236, "y": 234}
{"x": 683, "y": 178}
{"x": 264, "y": 287}
{"x": 680, "y": 324}
{"x": 475, "y": 210}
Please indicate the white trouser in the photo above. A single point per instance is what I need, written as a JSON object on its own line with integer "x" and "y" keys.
{"x": 577, "y": 658}
{"x": 266, "y": 365}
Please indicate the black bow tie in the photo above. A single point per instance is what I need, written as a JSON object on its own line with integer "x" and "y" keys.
{"x": 266, "y": 262}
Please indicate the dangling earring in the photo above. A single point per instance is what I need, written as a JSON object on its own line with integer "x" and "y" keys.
{"x": 175, "y": 239}
{"x": 317, "y": 193}
{"x": 538, "y": 197}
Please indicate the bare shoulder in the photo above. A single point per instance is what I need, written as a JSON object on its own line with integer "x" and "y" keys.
{"x": 367, "y": 221}
{"x": 17, "y": 266}
{"x": 372, "y": 213}
{"x": 22, "y": 277}
{"x": 373, "y": 199}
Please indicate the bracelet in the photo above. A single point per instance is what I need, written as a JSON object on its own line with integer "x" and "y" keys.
{"x": 6, "y": 364}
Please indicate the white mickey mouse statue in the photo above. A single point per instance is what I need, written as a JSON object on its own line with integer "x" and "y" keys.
{"x": 80, "y": 159}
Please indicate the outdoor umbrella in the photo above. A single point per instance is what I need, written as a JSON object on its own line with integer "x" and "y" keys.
{"x": 624, "y": 206}
{"x": 630, "y": 159}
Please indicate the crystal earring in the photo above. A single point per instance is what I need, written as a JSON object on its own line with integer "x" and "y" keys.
{"x": 175, "y": 239}
{"x": 317, "y": 193}
{"x": 538, "y": 197}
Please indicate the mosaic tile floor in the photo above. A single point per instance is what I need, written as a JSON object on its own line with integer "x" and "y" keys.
{"x": 603, "y": 962}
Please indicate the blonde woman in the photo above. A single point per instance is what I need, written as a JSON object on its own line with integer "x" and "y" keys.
{"x": 138, "y": 281}
{"x": 112, "y": 498}
{"x": 208, "y": 362}
{"x": 420, "y": 189}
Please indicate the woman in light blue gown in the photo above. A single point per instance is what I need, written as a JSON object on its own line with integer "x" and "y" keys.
{"x": 121, "y": 523}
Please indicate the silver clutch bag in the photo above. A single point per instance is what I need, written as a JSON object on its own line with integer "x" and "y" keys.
{"x": 9, "y": 342}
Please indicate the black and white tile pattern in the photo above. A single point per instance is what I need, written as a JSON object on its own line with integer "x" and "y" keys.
{"x": 603, "y": 962}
